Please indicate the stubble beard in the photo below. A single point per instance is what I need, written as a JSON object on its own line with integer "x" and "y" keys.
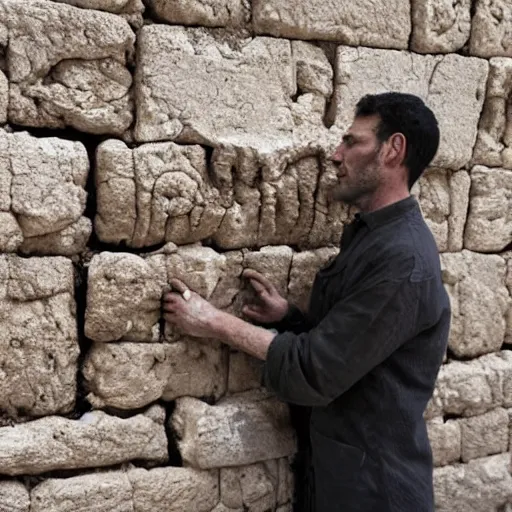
{"x": 363, "y": 183}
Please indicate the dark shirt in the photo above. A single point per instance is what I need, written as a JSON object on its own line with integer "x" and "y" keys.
{"x": 365, "y": 358}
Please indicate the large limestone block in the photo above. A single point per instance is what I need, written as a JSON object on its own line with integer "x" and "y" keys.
{"x": 479, "y": 299}
{"x": 132, "y": 375}
{"x": 440, "y": 26}
{"x": 115, "y": 6}
{"x": 444, "y": 196}
{"x": 194, "y": 88}
{"x": 508, "y": 334}
{"x": 445, "y": 440}
{"x": 494, "y": 142}
{"x": 67, "y": 66}
{"x": 484, "y": 435}
{"x": 14, "y": 497}
{"x": 94, "y": 440}
{"x": 237, "y": 431}
{"x": 38, "y": 336}
{"x": 365, "y": 23}
{"x": 473, "y": 387}
{"x": 491, "y": 31}
{"x": 42, "y": 195}
{"x": 452, "y": 86}
{"x": 483, "y": 484}
{"x": 489, "y": 224}
{"x": 136, "y": 490}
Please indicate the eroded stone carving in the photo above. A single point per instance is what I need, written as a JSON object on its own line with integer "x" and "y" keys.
{"x": 453, "y": 87}
{"x": 489, "y": 224}
{"x": 239, "y": 430}
{"x": 67, "y": 66}
{"x": 479, "y": 300}
{"x": 42, "y": 195}
{"x": 38, "y": 336}
{"x": 366, "y": 23}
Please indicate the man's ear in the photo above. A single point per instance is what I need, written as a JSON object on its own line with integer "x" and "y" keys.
{"x": 396, "y": 149}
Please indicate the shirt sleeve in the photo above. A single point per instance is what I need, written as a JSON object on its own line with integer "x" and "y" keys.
{"x": 360, "y": 331}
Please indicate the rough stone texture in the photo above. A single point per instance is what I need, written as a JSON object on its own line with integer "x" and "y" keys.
{"x": 38, "y": 336}
{"x": 440, "y": 26}
{"x": 207, "y": 13}
{"x": 494, "y": 142}
{"x": 484, "y": 435}
{"x": 115, "y": 6}
{"x": 489, "y": 224}
{"x": 445, "y": 440}
{"x": 237, "y": 431}
{"x": 14, "y": 497}
{"x": 365, "y": 23}
{"x": 136, "y": 490}
{"x": 482, "y": 485}
{"x": 479, "y": 299}
{"x": 96, "y": 439}
{"x": 444, "y": 196}
{"x": 42, "y": 195}
{"x": 491, "y": 31}
{"x": 508, "y": 333}
{"x": 452, "y": 86}
{"x": 4, "y": 97}
{"x": 132, "y": 375}
{"x": 244, "y": 372}
{"x": 67, "y": 66}
{"x": 473, "y": 387}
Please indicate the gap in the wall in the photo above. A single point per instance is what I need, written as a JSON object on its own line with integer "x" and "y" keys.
{"x": 172, "y": 437}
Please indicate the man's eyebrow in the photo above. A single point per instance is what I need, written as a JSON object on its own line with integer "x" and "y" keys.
{"x": 348, "y": 137}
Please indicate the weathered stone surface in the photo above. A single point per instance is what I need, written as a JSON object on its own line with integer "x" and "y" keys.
{"x": 115, "y": 6}
{"x": 42, "y": 195}
{"x": 4, "y": 97}
{"x": 489, "y": 224}
{"x": 132, "y": 375}
{"x": 445, "y": 440}
{"x": 452, "y": 86}
{"x": 494, "y": 142}
{"x": 440, "y": 26}
{"x": 237, "y": 431}
{"x": 484, "y": 435}
{"x": 483, "y": 484}
{"x": 67, "y": 66}
{"x": 94, "y": 440}
{"x": 14, "y": 497}
{"x": 136, "y": 490}
{"x": 365, "y": 23}
{"x": 479, "y": 300}
{"x": 285, "y": 482}
{"x": 508, "y": 333}
{"x": 491, "y": 31}
{"x": 444, "y": 196}
{"x": 244, "y": 372}
{"x": 38, "y": 336}
{"x": 474, "y": 387}
{"x": 205, "y": 13}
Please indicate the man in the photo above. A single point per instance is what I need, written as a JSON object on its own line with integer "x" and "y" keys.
{"x": 365, "y": 356}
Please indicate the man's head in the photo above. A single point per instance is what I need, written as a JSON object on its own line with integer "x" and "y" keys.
{"x": 392, "y": 140}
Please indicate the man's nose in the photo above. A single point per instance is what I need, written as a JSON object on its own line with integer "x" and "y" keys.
{"x": 337, "y": 156}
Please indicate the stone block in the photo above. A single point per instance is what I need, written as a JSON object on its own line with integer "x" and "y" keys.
{"x": 67, "y": 66}
{"x": 42, "y": 196}
{"x": 494, "y": 142}
{"x": 244, "y": 372}
{"x": 285, "y": 482}
{"x": 491, "y": 30}
{"x": 451, "y": 85}
{"x": 132, "y": 375}
{"x": 444, "y": 196}
{"x": 508, "y": 333}
{"x": 38, "y": 336}
{"x": 94, "y": 440}
{"x": 115, "y": 6}
{"x": 4, "y": 97}
{"x": 483, "y": 484}
{"x": 14, "y": 497}
{"x": 439, "y": 26}
{"x": 445, "y": 440}
{"x": 487, "y": 434}
{"x": 489, "y": 223}
{"x": 366, "y": 23}
{"x": 479, "y": 299}
{"x": 237, "y": 431}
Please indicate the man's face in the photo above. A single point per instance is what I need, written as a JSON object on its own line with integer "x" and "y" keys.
{"x": 357, "y": 160}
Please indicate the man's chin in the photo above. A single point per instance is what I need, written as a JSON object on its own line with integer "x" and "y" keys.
{"x": 340, "y": 195}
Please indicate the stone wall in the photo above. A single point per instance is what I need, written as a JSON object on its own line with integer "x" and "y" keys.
{"x": 187, "y": 138}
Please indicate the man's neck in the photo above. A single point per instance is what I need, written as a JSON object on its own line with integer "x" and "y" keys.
{"x": 380, "y": 200}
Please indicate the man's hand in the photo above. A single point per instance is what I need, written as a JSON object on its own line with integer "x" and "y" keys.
{"x": 271, "y": 307}
{"x": 192, "y": 314}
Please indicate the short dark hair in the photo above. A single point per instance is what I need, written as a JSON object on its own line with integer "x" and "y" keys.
{"x": 407, "y": 114}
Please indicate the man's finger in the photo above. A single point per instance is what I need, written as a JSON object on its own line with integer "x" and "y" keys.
{"x": 256, "y": 277}
{"x": 181, "y": 287}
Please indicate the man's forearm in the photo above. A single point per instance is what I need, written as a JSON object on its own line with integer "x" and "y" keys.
{"x": 242, "y": 335}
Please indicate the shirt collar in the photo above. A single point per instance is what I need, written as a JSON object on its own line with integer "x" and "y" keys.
{"x": 388, "y": 213}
